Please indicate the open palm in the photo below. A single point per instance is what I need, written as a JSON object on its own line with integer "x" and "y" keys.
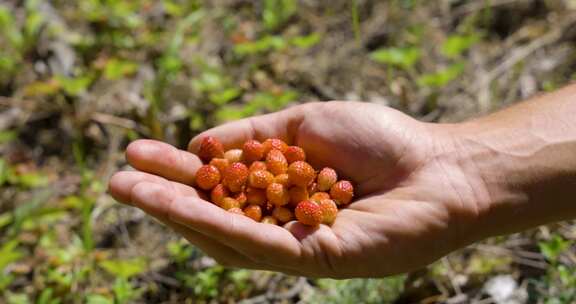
{"x": 410, "y": 207}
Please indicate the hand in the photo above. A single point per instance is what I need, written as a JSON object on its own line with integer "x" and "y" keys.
{"x": 413, "y": 200}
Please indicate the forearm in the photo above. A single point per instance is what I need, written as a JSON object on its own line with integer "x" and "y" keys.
{"x": 524, "y": 159}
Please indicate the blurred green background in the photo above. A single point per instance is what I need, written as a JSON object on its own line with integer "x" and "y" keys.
{"x": 80, "y": 79}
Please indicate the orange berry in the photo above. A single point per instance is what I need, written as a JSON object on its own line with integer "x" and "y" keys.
{"x": 255, "y": 196}
{"x": 276, "y": 162}
{"x": 257, "y": 165}
{"x": 236, "y": 210}
{"x": 329, "y": 211}
{"x": 342, "y": 192}
{"x": 277, "y": 194}
{"x": 300, "y": 173}
{"x": 254, "y": 212}
{"x": 297, "y": 194}
{"x": 233, "y": 156}
{"x": 260, "y": 179}
{"x": 318, "y": 196}
{"x": 220, "y": 163}
{"x": 309, "y": 213}
{"x": 326, "y": 178}
{"x": 207, "y": 177}
{"x": 218, "y": 193}
{"x": 312, "y": 188}
{"x": 295, "y": 153}
{"x": 241, "y": 198}
{"x": 283, "y": 214}
{"x": 274, "y": 143}
{"x": 252, "y": 151}
{"x": 229, "y": 203}
{"x": 235, "y": 177}
{"x": 269, "y": 220}
{"x": 210, "y": 147}
{"x": 282, "y": 179}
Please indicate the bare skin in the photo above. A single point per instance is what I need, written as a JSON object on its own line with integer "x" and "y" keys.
{"x": 422, "y": 190}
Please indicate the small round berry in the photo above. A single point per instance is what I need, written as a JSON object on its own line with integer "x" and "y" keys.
{"x": 326, "y": 178}
{"x": 233, "y": 156}
{"x": 252, "y": 151}
{"x": 329, "y": 211}
{"x": 269, "y": 220}
{"x": 241, "y": 198}
{"x": 342, "y": 192}
{"x": 254, "y": 212}
{"x": 295, "y": 153}
{"x": 235, "y": 177}
{"x": 210, "y": 147}
{"x": 229, "y": 203}
{"x": 274, "y": 143}
{"x": 277, "y": 194}
{"x": 300, "y": 174}
{"x": 276, "y": 162}
{"x": 282, "y": 179}
{"x": 236, "y": 210}
{"x": 257, "y": 165}
{"x": 283, "y": 214}
{"x": 260, "y": 179}
{"x": 309, "y": 213}
{"x": 207, "y": 177}
{"x": 255, "y": 196}
{"x": 318, "y": 196}
{"x": 312, "y": 188}
{"x": 218, "y": 193}
{"x": 220, "y": 163}
{"x": 297, "y": 194}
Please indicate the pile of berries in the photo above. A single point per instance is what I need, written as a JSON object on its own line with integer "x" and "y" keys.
{"x": 270, "y": 182}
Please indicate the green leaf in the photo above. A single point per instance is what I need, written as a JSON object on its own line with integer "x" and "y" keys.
{"x": 229, "y": 94}
{"x": 277, "y": 12}
{"x": 7, "y": 136}
{"x": 124, "y": 268}
{"x": 306, "y": 41}
{"x": 118, "y": 68}
{"x": 98, "y": 299}
{"x": 401, "y": 57}
{"x": 74, "y": 86}
{"x": 455, "y": 45}
{"x": 442, "y": 77}
{"x": 553, "y": 248}
{"x": 9, "y": 253}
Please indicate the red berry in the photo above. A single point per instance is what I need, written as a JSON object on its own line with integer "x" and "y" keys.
{"x": 283, "y": 214}
{"x": 254, "y": 212}
{"x": 297, "y": 194}
{"x": 282, "y": 179}
{"x": 233, "y": 156}
{"x": 220, "y": 163}
{"x": 207, "y": 177}
{"x": 255, "y": 196}
{"x": 300, "y": 174}
{"x": 318, "y": 196}
{"x": 229, "y": 203}
{"x": 218, "y": 194}
{"x": 342, "y": 192}
{"x": 260, "y": 179}
{"x": 252, "y": 151}
{"x": 274, "y": 143}
{"x": 295, "y": 153}
{"x": 329, "y": 211}
{"x": 210, "y": 147}
{"x": 236, "y": 210}
{"x": 257, "y": 165}
{"x": 326, "y": 178}
{"x": 276, "y": 162}
{"x": 235, "y": 177}
{"x": 269, "y": 220}
{"x": 277, "y": 194}
{"x": 309, "y": 213}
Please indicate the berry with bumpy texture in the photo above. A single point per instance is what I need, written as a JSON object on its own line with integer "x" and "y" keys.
{"x": 269, "y": 220}
{"x": 329, "y": 211}
{"x": 309, "y": 213}
{"x": 283, "y": 214}
{"x": 260, "y": 179}
{"x": 233, "y": 155}
{"x": 297, "y": 194}
{"x": 210, "y": 147}
{"x": 218, "y": 193}
{"x": 326, "y": 178}
{"x": 220, "y": 163}
{"x": 229, "y": 203}
{"x": 241, "y": 198}
{"x": 318, "y": 196}
{"x": 207, "y": 177}
{"x": 257, "y": 165}
{"x": 274, "y": 143}
{"x": 255, "y": 196}
{"x": 300, "y": 174}
{"x": 276, "y": 162}
{"x": 342, "y": 192}
{"x": 282, "y": 179}
{"x": 277, "y": 194}
{"x": 295, "y": 153}
{"x": 254, "y": 212}
{"x": 236, "y": 210}
{"x": 252, "y": 151}
{"x": 235, "y": 177}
